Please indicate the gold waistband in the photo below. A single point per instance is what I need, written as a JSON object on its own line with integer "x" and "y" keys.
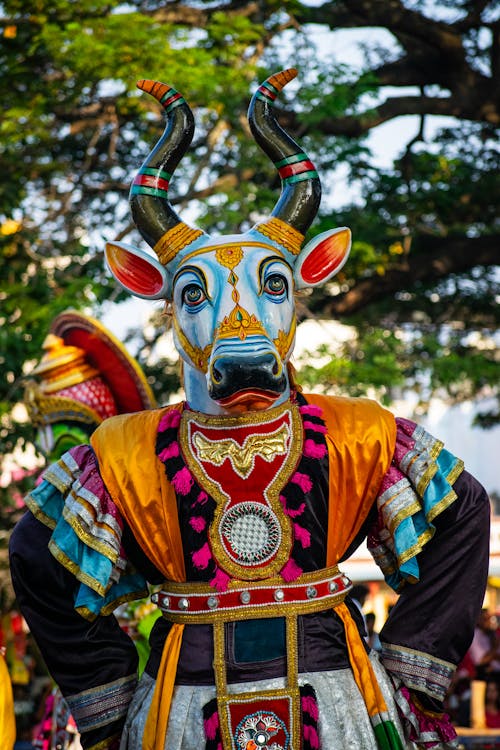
{"x": 199, "y": 603}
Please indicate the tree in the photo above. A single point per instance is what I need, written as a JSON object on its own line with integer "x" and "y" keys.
{"x": 419, "y": 287}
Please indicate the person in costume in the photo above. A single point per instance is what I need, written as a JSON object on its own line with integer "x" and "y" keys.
{"x": 84, "y": 376}
{"x": 239, "y": 504}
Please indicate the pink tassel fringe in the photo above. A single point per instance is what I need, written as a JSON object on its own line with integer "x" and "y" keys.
{"x": 313, "y": 450}
{"x": 290, "y": 571}
{"x": 220, "y": 580}
{"x": 170, "y": 419}
{"x": 197, "y": 523}
{"x": 302, "y": 535}
{"x": 311, "y": 735}
{"x": 289, "y": 511}
{"x": 303, "y": 481}
{"x": 312, "y": 409}
{"x": 315, "y": 427}
{"x": 171, "y": 451}
{"x": 309, "y": 706}
{"x": 211, "y": 726}
{"x": 202, "y": 557}
{"x": 183, "y": 481}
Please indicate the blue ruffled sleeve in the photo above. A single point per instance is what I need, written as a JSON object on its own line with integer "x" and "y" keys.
{"x": 415, "y": 490}
{"x": 86, "y": 533}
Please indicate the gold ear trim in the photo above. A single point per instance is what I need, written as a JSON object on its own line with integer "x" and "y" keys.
{"x": 281, "y": 232}
{"x": 175, "y": 240}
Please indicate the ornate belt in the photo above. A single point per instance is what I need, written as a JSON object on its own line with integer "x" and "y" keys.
{"x": 199, "y": 603}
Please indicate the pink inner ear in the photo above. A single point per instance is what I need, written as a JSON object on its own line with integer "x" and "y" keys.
{"x": 325, "y": 258}
{"x": 134, "y": 272}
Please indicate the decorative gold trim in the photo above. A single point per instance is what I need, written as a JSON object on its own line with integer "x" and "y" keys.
{"x": 229, "y": 256}
{"x": 455, "y": 471}
{"x": 111, "y": 606}
{"x": 282, "y": 233}
{"x": 242, "y": 457}
{"x": 199, "y": 357}
{"x": 239, "y": 323}
{"x": 66, "y": 322}
{"x": 89, "y": 539}
{"x": 75, "y": 569}
{"x": 175, "y": 240}
{"x": 284, "y": 341}
{"x": 271, "y": 493}
{"x": 242, "y": 243}
{"x": 200, "y": 588}
{"x": 45, "y": 410}
{"x": 38, "y": 512}
{"x": 258, "y": 612}
{"x": 290, "y": 692}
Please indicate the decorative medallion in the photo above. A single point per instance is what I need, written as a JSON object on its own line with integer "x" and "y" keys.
{"x": 243, "y": 463}
{"x": 258, "y": 730}
{"x": 250, "y": 533}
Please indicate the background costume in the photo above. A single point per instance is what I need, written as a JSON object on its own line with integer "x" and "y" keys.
{"x": 85, "y": 376}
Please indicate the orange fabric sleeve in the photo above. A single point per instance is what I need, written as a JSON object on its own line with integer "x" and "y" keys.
{"x": 361, "y": 438}
{"x": 135, "y": 478}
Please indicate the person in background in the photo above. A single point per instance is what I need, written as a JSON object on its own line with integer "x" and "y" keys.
{"x": 372, "y": 638}
{"x": 484, "y": 650}
{"x": 84, "y": 376}
{"x": 359, "y": 592}
{"x": 492, "y": 705}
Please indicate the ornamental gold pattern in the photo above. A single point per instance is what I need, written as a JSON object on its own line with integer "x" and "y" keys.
{"x": 242, "y": 457}
{"x": 229, "y": 255}
{"x": 199, "y": 357}
{"x": 188, "y": 424}
{"x": 175, "y": 240}
{"x": 239, "y": 323}
{"x": 282, "y": 233}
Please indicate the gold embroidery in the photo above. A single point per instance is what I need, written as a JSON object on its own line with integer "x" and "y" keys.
{"x": 243, "y": 244}
{"x": 290, "y": 692}
{"x": 189, "y": 422}
{"x": 242, "y": 457}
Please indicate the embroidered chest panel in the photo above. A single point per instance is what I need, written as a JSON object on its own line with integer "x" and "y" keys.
{"x": 243, "y": 463}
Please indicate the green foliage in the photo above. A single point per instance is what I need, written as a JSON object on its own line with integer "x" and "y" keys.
{"x": 373, "y": 364}
{"x": 74, "y": 129}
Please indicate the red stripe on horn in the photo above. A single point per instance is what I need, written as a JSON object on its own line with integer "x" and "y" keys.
{"x": 149, "y": 180}
{"x": 302, "y": 166}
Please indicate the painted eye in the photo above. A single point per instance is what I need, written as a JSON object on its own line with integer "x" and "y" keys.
{"x": 275, "y": 285}
{"x": 193, "y": 295}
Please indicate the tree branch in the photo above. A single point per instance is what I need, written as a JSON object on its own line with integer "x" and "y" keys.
{"x": 443, "y": 256}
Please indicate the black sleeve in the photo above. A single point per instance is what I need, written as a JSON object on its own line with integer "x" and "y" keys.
{"x": 94, "y": 663}
{"x": 431, "y": 626}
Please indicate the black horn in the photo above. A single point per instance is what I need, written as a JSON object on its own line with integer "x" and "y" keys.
{"x": 300, "y": 183}
{"x": 151, "y": 210}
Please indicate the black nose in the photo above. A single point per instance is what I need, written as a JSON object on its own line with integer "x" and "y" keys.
{"x": 232, "y": 374}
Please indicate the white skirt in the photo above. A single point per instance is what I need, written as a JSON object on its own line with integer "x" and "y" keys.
{"x": 343, "y": 720}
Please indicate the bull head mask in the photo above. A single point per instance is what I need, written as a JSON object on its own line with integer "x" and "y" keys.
{"x": 233, "y": 296}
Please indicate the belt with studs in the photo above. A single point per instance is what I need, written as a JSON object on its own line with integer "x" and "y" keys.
{"x": 197, "y": 603}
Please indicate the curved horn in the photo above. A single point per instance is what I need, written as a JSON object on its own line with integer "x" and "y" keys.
{"x": 151, "y": 210}
{"x": 300, "y": 184}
